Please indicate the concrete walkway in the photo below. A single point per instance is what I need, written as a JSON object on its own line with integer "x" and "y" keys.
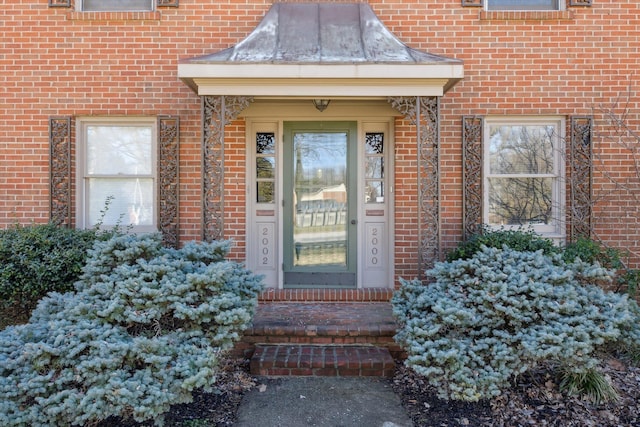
{"x": 322, "y": 402}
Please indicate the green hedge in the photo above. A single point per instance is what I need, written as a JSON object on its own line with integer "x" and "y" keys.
{"x": 519, "y": 240}
{"x": 41, "y": 258}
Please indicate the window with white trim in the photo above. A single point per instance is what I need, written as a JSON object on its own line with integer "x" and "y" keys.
{"x": 115, "y": 5}
{"x": 524, "y": 174}
{"x": 524, "y": 4}
{"x": 116, "y": 173}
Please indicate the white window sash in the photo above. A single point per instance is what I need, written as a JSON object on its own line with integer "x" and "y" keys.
{"x": 556, "y": 229}
{"x": 86, "y": 208}
{"x": 517, "y": 5}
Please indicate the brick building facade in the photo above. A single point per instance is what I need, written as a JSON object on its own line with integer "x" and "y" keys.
{"x": 496, "y": 115}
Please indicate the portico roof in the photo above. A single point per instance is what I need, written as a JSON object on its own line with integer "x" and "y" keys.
{"x": 321, "y": 49}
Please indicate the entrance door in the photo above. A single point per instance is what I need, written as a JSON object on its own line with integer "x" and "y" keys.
{"x": 320, "y": 210}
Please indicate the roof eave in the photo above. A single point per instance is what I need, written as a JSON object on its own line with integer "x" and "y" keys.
{"x": 344, "y": 80}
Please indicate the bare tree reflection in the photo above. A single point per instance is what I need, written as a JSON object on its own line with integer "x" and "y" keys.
{"x": 521, "y": 174}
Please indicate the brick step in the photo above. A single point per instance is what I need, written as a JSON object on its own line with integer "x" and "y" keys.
{"x": 340, "y": 324}
{"x": 326, "y": 295}
{"x": 321, "y": 360}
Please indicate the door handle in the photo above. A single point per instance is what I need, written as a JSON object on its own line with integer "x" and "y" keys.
{"x": 354, "y": 221}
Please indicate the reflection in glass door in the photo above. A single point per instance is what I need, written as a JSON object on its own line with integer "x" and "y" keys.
{"x": 319, "y": 230}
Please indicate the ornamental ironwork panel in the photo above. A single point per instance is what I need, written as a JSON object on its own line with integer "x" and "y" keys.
{"x": 167, "y": 3}
{"x": 59, "y": 3}
{"x": 581, "y": 166}
{"x": 424, "y": 112}
{"x": 472, "y": 195}
{"x": 217, "y": 112}
{"x": 580, "y": 2}
{"x": 168, "y": 161}
{"x": 60, "y": 170}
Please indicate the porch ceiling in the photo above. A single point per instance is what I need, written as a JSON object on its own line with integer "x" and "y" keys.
{"x": 321, "y": 49}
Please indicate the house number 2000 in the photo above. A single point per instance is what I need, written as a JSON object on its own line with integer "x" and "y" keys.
{"x": 374, "y": 246}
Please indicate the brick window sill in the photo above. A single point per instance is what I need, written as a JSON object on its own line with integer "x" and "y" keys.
{"x": 525, "y": 15}
{"x": 114, "y": 16}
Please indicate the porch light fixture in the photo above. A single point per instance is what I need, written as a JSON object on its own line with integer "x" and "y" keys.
{"x": 321, "y": 104}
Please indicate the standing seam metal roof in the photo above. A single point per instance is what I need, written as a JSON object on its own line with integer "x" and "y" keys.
{"x": 321, "y": 33}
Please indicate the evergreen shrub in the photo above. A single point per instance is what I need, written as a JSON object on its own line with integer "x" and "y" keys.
{"x": 38, "y": 259}
{"x": 144, "y": 328}
{"x": 591, "y": 252}
{"x": 520, "y": 240}
{"x": 484, "y": 320}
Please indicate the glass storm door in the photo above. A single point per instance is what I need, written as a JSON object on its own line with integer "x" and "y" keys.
{"x": 319, "y": 204}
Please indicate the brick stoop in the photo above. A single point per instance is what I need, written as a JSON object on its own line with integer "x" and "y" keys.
{"x": 327, "y": 295}
{"x": 318, "y": 360}
{"x": 359, "y": 334}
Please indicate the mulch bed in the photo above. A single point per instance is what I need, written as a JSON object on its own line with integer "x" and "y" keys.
{"x": 534, "y": 400}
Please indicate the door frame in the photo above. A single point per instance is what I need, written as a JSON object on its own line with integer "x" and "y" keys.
{"x": 270, "y": 115}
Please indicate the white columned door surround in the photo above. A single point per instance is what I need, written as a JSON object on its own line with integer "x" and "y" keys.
{"x": 374, "y": 193}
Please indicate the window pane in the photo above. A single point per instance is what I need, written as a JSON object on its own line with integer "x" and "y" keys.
{"x": 265, "y": 192}
{"x": 130, "y": 201}
{"x": 265, "y": 143}
{"x": 321, "y": 198}
{"x": 116, "y": 5}
{"x": 521, "y": 149}
{"x": 520, "y": 201}
{"x": 113, "y": 150}
{"x": 265, "y": 167}
{"x": 374, "y": 143}
{"x": 374, "y": 168}
{"x": 523, "y": 5}
{"x": 374, "y": 192}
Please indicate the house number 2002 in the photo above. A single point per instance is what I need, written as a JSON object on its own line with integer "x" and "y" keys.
{"x": 265, "y": 245}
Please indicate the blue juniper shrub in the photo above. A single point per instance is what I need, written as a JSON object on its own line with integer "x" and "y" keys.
{"x": 485, "y": 319}
{"x": 145, "y": 327}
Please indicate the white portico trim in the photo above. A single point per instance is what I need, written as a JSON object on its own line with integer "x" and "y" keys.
{"x": 320, "y": 81}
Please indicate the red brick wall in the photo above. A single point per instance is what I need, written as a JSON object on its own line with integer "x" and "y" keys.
{"x": 56, "y": 62}
{"x": 406, "y": 200}
{"x": 235, "y": 199}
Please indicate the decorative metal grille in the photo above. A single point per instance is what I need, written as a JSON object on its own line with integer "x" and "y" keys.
{"x": 167, "y": 3}
{"x": 580, "y": 3}
{"x": 472, "y": 3}
{"x": 265, "y": 143}
{"x": 60, "y": 170}
{"x": 424, "y": 114}
{"x": 472, "y": 174}
{"x": 217, "y": 112}
{"x": 168, "y": 161}
{"x": 581, "y": 165}
{"x": 59, "y": 3}
{"x": 374, "y": 142}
